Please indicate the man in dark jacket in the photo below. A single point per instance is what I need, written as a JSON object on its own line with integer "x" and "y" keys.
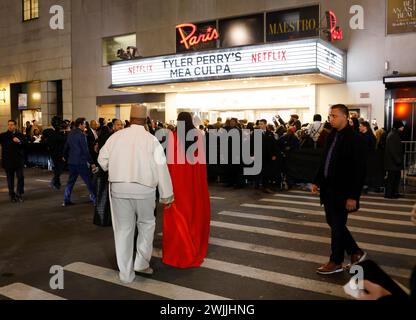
{"x": 270, "y": 153}
{"x": 79, "y": 160}
{"x": 234, "y": 167}
{"x": 55, "y": 140}
{"x": 341, "y": 178}
{"x": 92, "y": 139}
{"x": 12, "y": 143}
{"x": 393, "y": 160}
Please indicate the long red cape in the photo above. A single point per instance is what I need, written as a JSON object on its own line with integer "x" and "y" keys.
{"x": 186, "y": 224}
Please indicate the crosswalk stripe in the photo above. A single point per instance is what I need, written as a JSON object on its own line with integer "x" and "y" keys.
{"x": 362, "y": 202}
{"x": 217, "y": 198}
{"x": 320, "y": 214}
{"x": 312, "y": 238}
{"x": 408, "y": 199}
{"x": 390, "y": 212}
{"x": 20, "y": 291}
{"x": 159, "y": 288}
{"x": 290, "y": 254}
{"x": 295, "y": 255}
{"x": 271, "y": 277}
{"x": 318, "y": 224}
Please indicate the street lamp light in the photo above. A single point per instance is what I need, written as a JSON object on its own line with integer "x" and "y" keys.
{"x": 3, "y": 95}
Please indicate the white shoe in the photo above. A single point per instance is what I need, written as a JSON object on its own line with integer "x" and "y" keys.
{"x": 127, "y": 282}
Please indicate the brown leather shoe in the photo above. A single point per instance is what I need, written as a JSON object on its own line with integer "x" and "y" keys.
{"x": 357, "y": 258}
{"x": 330, "y": 268}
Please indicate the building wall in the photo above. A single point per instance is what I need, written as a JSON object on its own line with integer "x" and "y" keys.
{"x": 93, "y": 20}
{"x": 154, "y": 22}
{"x": 32, "y": 51}
{"x": 350, "y": 93}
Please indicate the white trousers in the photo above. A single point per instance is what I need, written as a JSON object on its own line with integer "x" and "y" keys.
{"x": 127, "y": 214}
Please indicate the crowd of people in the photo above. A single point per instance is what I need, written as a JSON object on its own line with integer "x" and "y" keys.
{"x": 124, "y": 168}
{"x": 279, "y": 140}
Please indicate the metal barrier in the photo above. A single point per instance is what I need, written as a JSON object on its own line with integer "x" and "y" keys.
{"x": 409, "y": 162}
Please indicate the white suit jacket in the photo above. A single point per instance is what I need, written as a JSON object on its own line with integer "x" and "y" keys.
{"x": 133, "y": 155}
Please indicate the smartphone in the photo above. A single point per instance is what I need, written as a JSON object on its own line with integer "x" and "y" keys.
{"x": 352, "y": 289}
{"x": 372, "y": 272}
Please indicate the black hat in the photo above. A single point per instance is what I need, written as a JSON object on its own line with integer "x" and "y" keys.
{"x": 398, "y": 124}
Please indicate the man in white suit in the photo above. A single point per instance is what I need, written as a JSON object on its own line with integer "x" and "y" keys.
{"x": 136, "y": 164}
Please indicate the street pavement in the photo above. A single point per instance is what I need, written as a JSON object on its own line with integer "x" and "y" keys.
{"x": 262, "y": 246}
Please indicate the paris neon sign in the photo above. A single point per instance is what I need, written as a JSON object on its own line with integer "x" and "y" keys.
{"x": 190, "y": 38}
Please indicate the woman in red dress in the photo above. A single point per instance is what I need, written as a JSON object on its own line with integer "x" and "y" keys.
{"x": 186, "y": 223}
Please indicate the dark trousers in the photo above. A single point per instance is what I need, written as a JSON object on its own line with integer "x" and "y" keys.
{"x": 10, "y": 173}
{"x": 393, "y": 183}
{"x": 74, "y": 172}
{"x": 58, "y": 168}
{"x": 341, "y": 239}
{"x": 235, "y": 175}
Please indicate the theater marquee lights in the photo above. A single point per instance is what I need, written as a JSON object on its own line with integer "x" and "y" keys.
{"x": 295, "y": 57}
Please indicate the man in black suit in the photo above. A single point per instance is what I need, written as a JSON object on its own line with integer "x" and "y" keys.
{"x": 341, "y": 179}
{"x": 12, "y": 143}
{"x": 270, "y": 154}
{"x": 92, "y": 139}
{"x": 393, "y": 160}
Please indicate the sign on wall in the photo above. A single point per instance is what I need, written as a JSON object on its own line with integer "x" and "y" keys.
{"x": 22, "y": 101}
{"x": 195, "y": 37}
{"x": 295, "y": 57}
{"x": 292, "y": 24}
{"x": 401, "y": 16}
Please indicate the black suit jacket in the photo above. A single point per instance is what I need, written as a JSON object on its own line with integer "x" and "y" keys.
{"x": 12, "y": 152}
{"x": 393, "y": 155}
{"x": 91, "y": 143}
{"x": 347, "y": 171}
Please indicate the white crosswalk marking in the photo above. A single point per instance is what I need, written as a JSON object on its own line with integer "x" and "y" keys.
{"x": 321, "y": 214}
{"x": 318, "y": 224}
{"x": 159, "y": 288}
{"x": 273, "y": 277}
{"x": 217, "y": 198}
{"x": 382, "y": 204}
{"x": 313, "y": 238}
{"x": 20, "y": 291}
{"x": 295, "y": 255}
{"x": 407, "y": 199}
{"x": 390, "y": 212}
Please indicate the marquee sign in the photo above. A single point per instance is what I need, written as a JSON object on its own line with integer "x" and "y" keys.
{"x": 296, "y": 57}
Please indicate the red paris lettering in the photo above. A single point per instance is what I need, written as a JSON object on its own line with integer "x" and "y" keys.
{"x": 192, "y": 39}
{"x": 335, "y": 31}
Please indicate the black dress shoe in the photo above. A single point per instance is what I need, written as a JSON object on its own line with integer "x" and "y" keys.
{"x": 67, "y": 204}
{"x": 13, "y": 199}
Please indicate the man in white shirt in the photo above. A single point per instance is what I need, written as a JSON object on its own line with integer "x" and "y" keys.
{"x": 136, "y": 164}
{"x": 315, "y": 128}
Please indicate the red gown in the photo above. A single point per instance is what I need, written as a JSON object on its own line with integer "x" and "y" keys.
{"x": 186, "y": 224}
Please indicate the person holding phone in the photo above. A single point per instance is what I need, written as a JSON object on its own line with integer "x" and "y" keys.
{"x": 375, "y": 291}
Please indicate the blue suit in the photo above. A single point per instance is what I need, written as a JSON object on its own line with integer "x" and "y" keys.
{"x": 78, "y": 158}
